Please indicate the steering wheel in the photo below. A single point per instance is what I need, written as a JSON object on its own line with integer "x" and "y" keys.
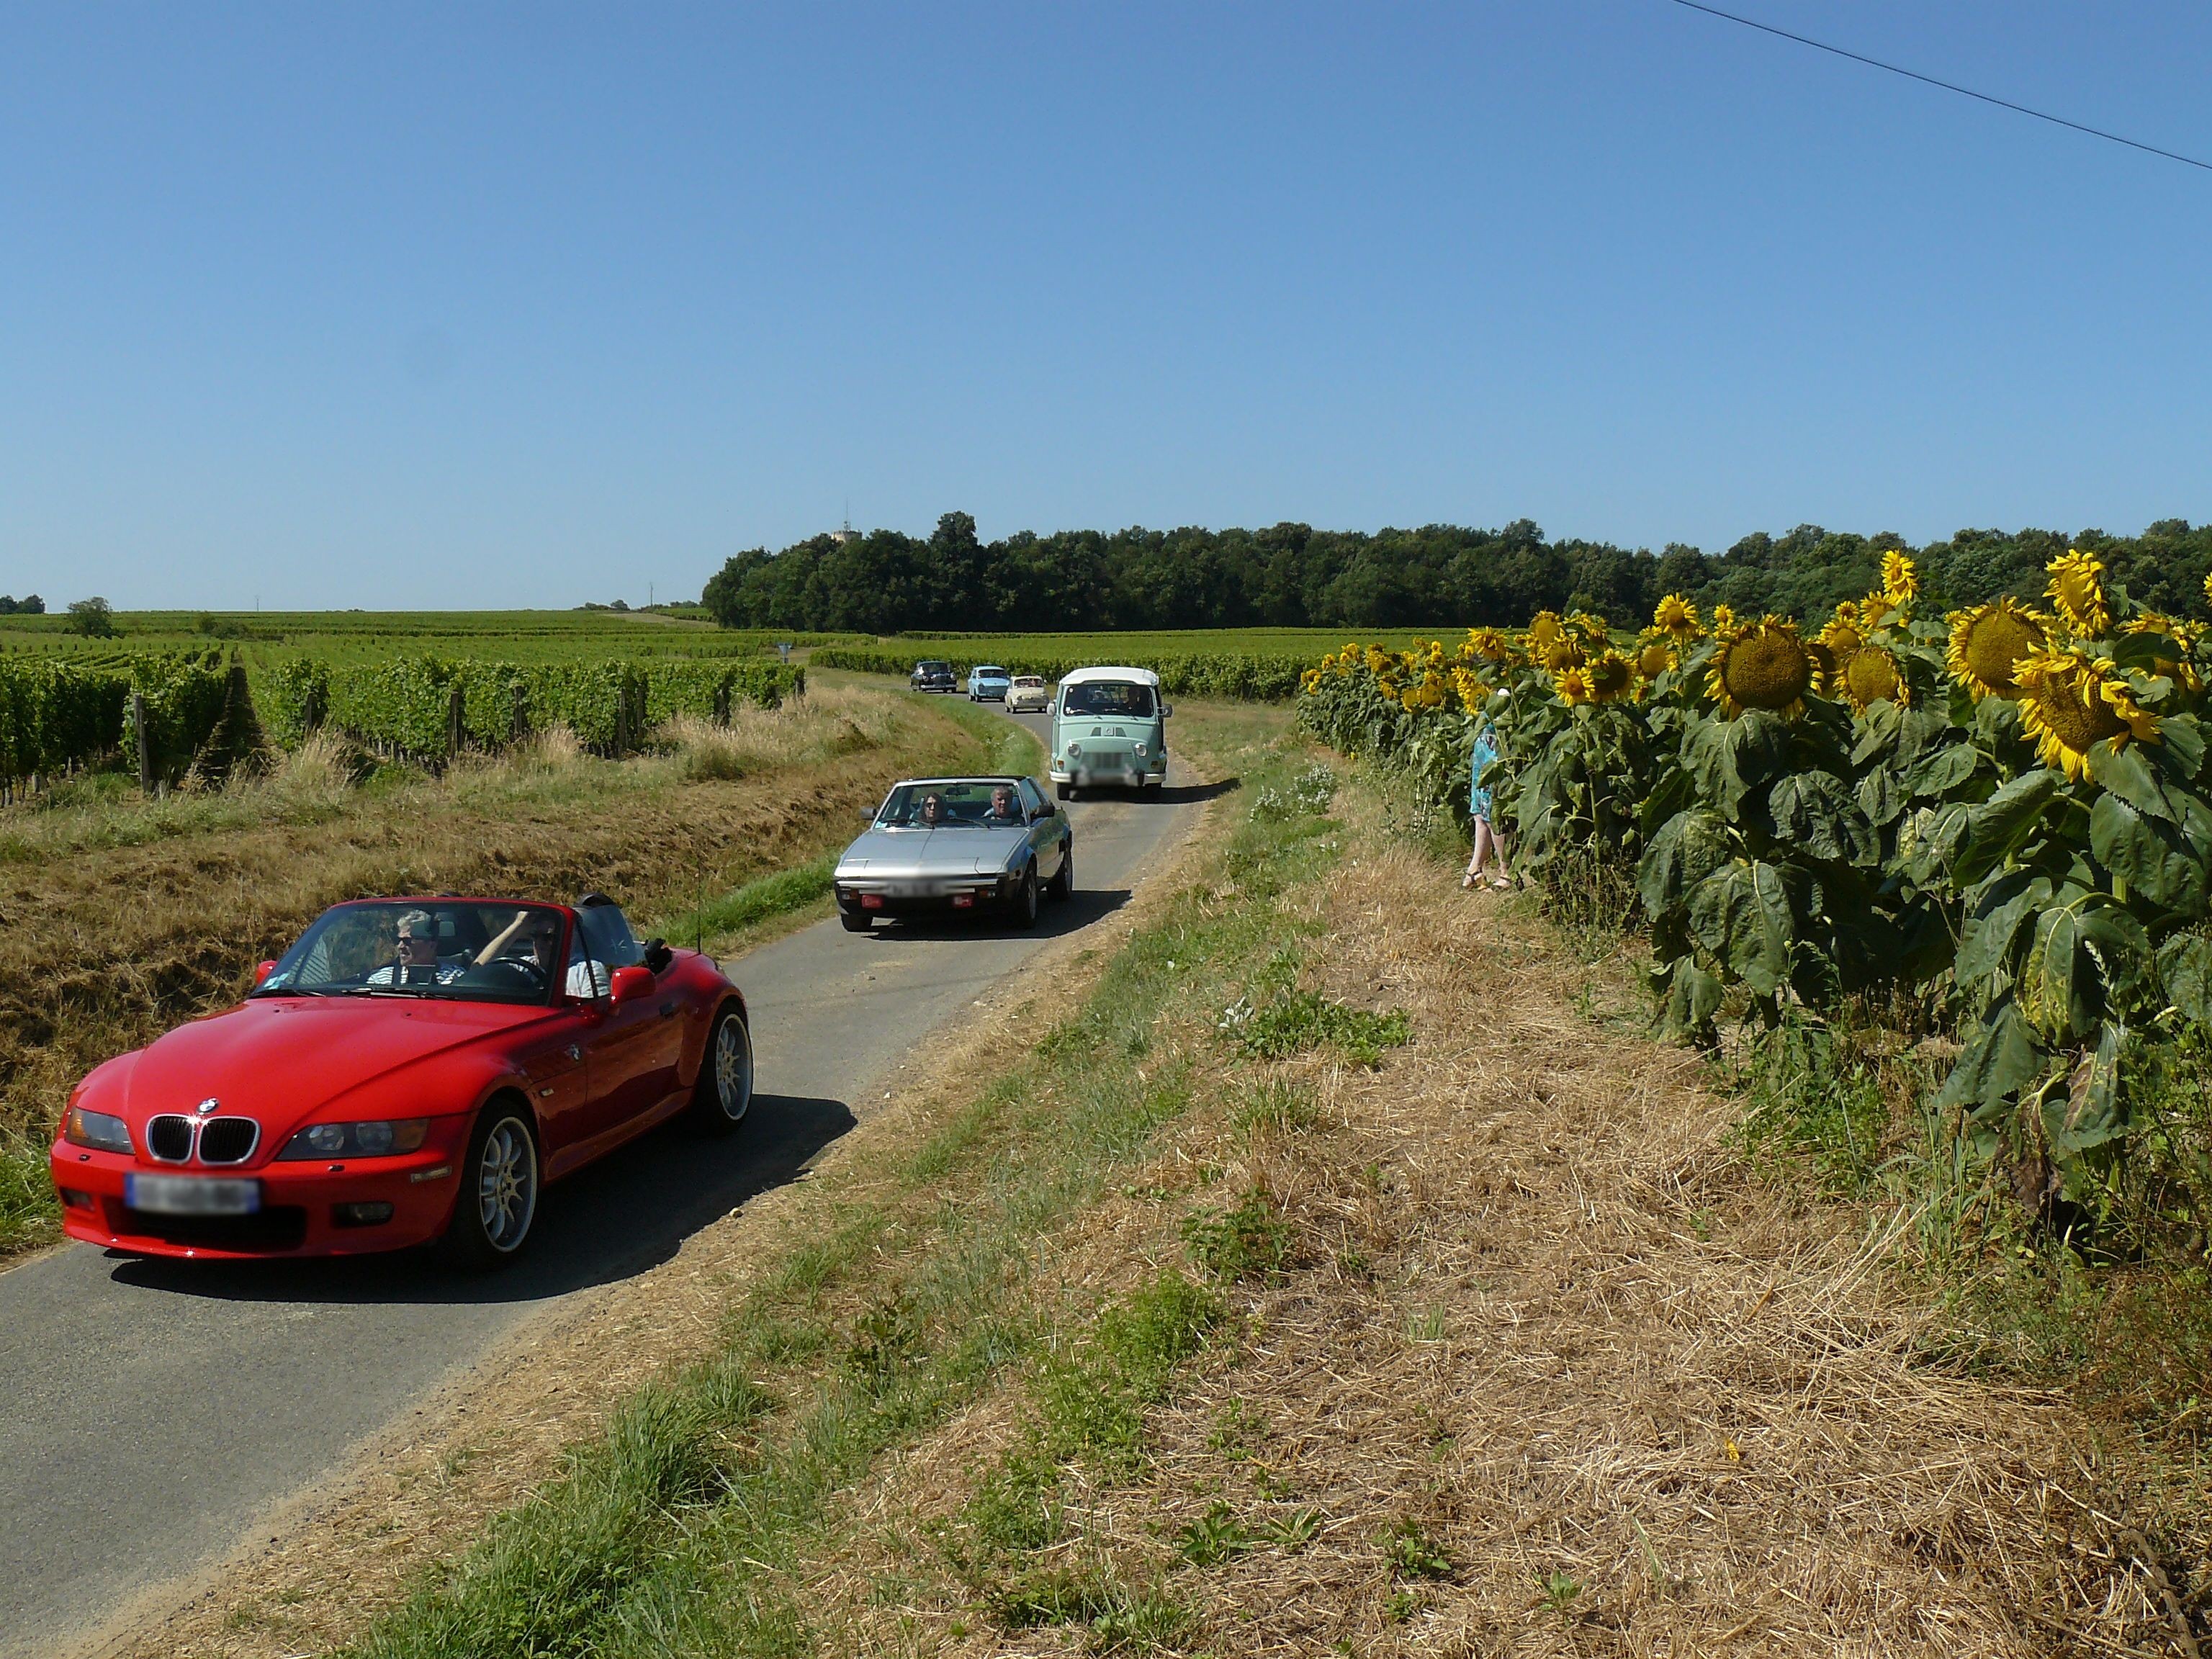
{"x": 515, "y": 973}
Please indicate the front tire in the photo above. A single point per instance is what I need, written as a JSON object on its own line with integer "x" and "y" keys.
{"x": 856, "y": 921}
{"x": 1063, "y": 792}
{"x": 498, "y": 1201}
{"x": 1025, "y": 903}
{"x": 1063, "y": 879}
{"x": 724, "y": 1092}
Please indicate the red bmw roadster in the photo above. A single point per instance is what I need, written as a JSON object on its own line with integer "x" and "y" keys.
{"x": 412, "y": 1070}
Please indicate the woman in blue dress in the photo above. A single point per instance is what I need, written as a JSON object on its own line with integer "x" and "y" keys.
{"x": 1489, "y": 847}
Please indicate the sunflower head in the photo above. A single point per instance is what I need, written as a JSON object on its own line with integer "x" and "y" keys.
{"x": 1899, "y": 581}
{"x": 1592, "y": 628}
{"x": 1573, "y": 685}
{"x": 1471, "y": 688}
{"x": 1545, "y": 627}
{"x": 2077, "y": 588}
{"x": 1761, "y": 664}
{"x": 1612, "y": 677}
{"x": 2070, "y": 702}
{"x": 1723, "y": 619}
{"x": 1677, "y": 618}
{"x": 1877, "y": 610}
{"x": 1988, "y": 645}
{"x": 1309, "y": 682}
{"x": 1562, "y": 652}
{"x": 1871, "y": 675}
{"x": 1655, "y": 656}
{"x": 2175, "y": 666}
{"x": 1428, "y": 692}
{"x": 1488, "y": 644}
{"x": 1842, "y": 635}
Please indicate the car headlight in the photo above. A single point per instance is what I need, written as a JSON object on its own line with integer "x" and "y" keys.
{"x": 96, "y": 1129}
{"x": 1142, "y": 751}
{"x": 376, "y": 1139}
{"x": 1073, "y": 750}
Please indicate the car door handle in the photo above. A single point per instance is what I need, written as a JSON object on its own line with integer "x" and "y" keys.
{"x": 668, "y": 1011}
{"x": 573, "y": 1052}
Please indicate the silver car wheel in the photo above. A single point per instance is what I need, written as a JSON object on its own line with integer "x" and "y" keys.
{"x": 733, "y": 1068}
{"x": 507, "y": 1185}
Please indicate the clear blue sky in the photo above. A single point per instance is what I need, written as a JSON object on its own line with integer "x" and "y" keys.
{"x": 455, "y": 306}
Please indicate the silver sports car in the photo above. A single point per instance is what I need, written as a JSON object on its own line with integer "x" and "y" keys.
{"x": 952, "y": 846}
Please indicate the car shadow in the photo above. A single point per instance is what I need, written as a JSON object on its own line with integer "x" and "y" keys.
{"x": 1177, "y": 794}
{"x": 629, "y": 1212}
{"x": 1055, "y": 919}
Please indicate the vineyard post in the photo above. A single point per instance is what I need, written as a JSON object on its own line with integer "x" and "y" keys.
{"x": 455, "y": 706}
{"x": 145, "y": 744}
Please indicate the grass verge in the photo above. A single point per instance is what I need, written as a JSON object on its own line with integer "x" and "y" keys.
{"x": 680, "y": 1531}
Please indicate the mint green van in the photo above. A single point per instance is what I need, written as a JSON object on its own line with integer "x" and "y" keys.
{"x": 1109, "y": 725}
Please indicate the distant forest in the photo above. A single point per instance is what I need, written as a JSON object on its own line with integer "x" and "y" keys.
{"x": 1441, "y": 575}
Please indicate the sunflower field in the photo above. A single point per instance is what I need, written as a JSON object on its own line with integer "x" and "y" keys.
{"x": 1999, "y": 820}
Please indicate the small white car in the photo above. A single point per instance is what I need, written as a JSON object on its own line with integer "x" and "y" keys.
{"x": 1028, "y": 694}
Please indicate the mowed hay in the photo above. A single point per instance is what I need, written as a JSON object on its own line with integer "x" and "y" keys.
{"x": 1548, "y": 1370}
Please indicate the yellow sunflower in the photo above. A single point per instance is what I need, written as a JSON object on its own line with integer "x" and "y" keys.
{"x": 1842, "y": 635}
{"x": 1591, "y": 628}
{"x": 2077, "y": 587}
{"x": 1899, "y": 581}
{"x": 1761, "y": 664}
{"x": 1989, "y": 643}
{"x": 1655, "y": 656}
{"x": 1612, "y": 677}
{"x": 1871, "y": 675}
{"x": 1428, "y": 694}
{"x": 1573, "y": 685}
{"x": 1309, "y": 682}
{"x": 1875, "y": 611}
{"x": 2070, "y": 702}
{"x": 2184, "y": 635}
{"x": 1489, "y": 644}
{"x": 1472, "y": 691}
{"x": 1823, "y": 664}
{"x": 1565, "y": 652}
{"x": 1379, "y": 661}
{"x": 1545, "y": 627}
{"x": 1677, "y": 618}
{"x": 1723, "y": 619}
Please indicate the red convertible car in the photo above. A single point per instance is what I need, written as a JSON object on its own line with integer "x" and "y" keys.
{"x": 412, "y": 1070}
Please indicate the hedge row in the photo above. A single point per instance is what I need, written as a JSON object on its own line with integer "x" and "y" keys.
{"x": 1242, "y": 676}
{"x": 423, "y": 707}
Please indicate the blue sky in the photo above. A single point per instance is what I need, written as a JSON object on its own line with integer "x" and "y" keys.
{"x": 454, "y": 306}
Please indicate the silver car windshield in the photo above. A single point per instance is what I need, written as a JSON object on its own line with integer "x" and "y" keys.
{"x": 959, "y": 804}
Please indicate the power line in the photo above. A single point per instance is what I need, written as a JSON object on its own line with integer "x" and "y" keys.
{"x": 1930, "y": 80}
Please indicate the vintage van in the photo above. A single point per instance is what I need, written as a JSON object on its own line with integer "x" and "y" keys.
{"x": 1109, "y": 725}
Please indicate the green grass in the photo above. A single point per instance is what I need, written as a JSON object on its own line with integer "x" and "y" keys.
{"x": 678, "y": 1531}
{"x": 1303, "y": 644}
{"x": 27, "y": 1215}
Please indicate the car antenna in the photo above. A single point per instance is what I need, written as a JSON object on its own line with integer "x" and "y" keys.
{"x": 699, "y": 915}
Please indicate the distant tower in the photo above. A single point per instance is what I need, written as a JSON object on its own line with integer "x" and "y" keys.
{"x": 846, "y": 533}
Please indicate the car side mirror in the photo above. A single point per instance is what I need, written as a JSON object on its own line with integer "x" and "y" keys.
{"x": 658, "y": 955}
{"x": 262, "y": 972}
{"x": 1047, "y": 810}
{"x": 1167, "y": 709}
{"x": 628, "y": 984}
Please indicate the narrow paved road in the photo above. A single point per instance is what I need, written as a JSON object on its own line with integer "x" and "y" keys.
{"x": 149, "y": 1412}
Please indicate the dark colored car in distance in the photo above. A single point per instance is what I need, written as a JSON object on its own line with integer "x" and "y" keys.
{"x": 932, "y": 676}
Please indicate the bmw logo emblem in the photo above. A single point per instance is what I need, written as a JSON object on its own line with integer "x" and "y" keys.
{"x": 208, "y": 1105}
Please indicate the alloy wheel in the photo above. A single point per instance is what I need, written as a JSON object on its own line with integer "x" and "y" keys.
{"x": 507, "y": 1185}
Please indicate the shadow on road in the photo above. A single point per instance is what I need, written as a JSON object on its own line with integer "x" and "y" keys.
{"x": 1179, "y": 794}
{"x": 629, "y": 1212}
{"x": 1055, "y": 919}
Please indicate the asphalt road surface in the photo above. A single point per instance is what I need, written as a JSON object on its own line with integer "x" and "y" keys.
{"x": 151, "y": 1411}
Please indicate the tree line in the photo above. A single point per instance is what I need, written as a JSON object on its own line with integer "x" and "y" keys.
{"x": 1293, "y": 575}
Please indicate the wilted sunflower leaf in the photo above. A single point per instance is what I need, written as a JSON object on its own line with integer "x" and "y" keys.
{"x": 2184, "y": 967}
{"x": 2091, "y": 1111}
{"x": 2058, "y": 984}
{"x": 1688, "y": 847}
{"x": 1741, "y": 914}
{"x": 2000, "y": 1056}
{"x": 1816, "y": 811}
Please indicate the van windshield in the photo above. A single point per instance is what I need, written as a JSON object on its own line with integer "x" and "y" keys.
{"x": 1108, "y": 697}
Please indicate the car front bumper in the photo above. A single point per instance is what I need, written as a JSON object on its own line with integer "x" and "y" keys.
{"x": 1128, "y": 768}
{"x": 303, "y": 1203}
{"x": 951, "y": 895}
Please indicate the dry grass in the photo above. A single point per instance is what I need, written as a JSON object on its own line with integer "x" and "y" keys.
{"x": 1628, "y": 1399}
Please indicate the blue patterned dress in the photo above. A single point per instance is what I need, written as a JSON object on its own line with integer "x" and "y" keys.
{"x": 1485, "y": 751}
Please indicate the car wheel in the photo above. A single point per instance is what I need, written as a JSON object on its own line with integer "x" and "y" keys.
{"x": 856, "y": 921}
{"x": 723, "y": 1093}
{"x": 1152, "y": 788}
{"x": 1063, "y": 792}
{"x": 498, "y": 1201}
{"x": 1063, "y": 880}
{"x": 1025, "y": 899}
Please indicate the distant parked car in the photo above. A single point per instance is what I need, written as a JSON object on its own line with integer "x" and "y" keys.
{"x": 932, "y": 676}
{"x": 946, "y": 847}
{"x": 988, "y": 681}
{"x": 1028, "y": 694}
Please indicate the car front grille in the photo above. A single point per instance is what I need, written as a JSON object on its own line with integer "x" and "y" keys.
{"x": 227, "y": 1140}
{"x": 169, "y": 1138}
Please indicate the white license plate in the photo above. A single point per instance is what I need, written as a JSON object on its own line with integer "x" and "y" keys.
{"x": 191, "y": 1195}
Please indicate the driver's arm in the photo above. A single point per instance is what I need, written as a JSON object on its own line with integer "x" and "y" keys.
{"x": 501, "y": 940}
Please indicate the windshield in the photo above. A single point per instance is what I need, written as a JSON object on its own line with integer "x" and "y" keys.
{"x": 1108, "y": 697}
{"x": 987, "y": 672}
{"x": 932, "y": 668}
{"x": 963, "y": 803}
{"x": 455, "y": 949}
{"x": 1027, "y": 681}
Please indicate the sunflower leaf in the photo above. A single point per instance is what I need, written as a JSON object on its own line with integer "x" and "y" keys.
{"x": 1694, "y": 997}
{"x": 2184, "y": 968}
{"x": 2125, "y": 774}
{"x": 1941, "y": 770}
{"x": 2090, "y": 1112}
{"x": 2152, "y": 859}
{"x": 2059, "y": 981}
{"x": 1742, "y": 915}
{"x": 2000, "y": 1056}
{"x": 1879, "y": 798}
{"x": 2120, "y": 947}
{"x": 1816, "y": 811}
{"x": 1688, "y": 847}
{"x": 1996, "y": 829}
{"x": 1993, "y": 924}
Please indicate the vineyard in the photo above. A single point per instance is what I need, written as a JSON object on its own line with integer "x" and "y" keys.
{"x": 1991, "y": 826}
{"x": 204, "y": 707}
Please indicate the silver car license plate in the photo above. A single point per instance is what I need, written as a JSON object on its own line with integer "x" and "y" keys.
{"x": 191, "y": 1195}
